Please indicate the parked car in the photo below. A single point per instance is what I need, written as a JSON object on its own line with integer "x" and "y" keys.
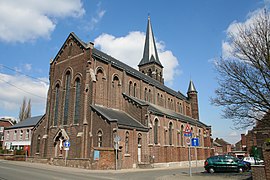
{"x": 225, "y": 163}
{"x": 253, "y": 160}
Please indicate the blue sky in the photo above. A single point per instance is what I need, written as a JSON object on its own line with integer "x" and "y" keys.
{"x": 190, "y": 35}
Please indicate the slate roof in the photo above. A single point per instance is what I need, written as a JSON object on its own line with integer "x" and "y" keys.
{"x": 163, "y": 111}
{"x": 191, "y": 87}
{"x": 32, "y": 121}
{"x": 150, "y": 54}
{"x": 129, "y": 70}
{"x": 122, "y": 119}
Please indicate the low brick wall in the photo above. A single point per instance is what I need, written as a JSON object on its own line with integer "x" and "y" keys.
{"x": 12, "y": 157}
{"x": 258, "y": 172}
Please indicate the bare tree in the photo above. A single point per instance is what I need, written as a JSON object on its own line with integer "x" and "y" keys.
{"x": 25, "y": 110}
{"x": 244, "y": 79}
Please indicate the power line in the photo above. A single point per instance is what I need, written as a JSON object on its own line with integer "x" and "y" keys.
{"x": 1, "y": 65}
{"x": 23, "y": 89}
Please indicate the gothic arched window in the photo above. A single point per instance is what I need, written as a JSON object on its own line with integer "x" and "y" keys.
{"x": 56, "y": 104}
{"x": 129, "y": 88}
{"x": 77, "y": 101}
{"x": 170, "y": 133}
{"x": 127, "y": 143}
{"x": 134, "y": 90}
{"x": 116, "y": 91}
{"x": 145, "y": 94}
{"x": 67, "y": 94}
{"x": 99, "y": 138}
{"x": 182, "y": 135}
{"x": 38, "y": 144}
{"x": 156, "y": 132}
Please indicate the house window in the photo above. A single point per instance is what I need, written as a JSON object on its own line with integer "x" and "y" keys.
{"x": 77, "y": 101}
{"x": 21, "y": 134}
{"x": 99, "y": 134}
{"x": 67, "y": 98}
{"x": 127, "y": 143}
{"x": 8, "y": 135}
{"x": 38, "y": 144}
{"x": 156, "y": 132}
{"x": 170, "y": 133}
{"x": 15, "y": 135}
{"x": 27, "y": 134}
{"x": 56, "y": 105}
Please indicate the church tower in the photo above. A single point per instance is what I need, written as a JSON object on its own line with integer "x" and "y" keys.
{"x": 150, "y": 64}
{"x": 193, "y": 98}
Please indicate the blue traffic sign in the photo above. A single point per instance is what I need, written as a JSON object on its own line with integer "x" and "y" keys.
{"x": 67, "y": 144}
{"x": 188, "y": 134}
{"x": 195, "y": 141}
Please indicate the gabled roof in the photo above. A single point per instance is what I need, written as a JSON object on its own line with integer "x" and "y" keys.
{"x": 77, "y": 39}
{"x": 150, "y": 54}
{"x": 129, "y": 70}
{"x": 155, "y": 109}
{"x": 123, "y": 120}
{"x": 221, "y": 141}
{"x": 7, "y": 119}
{"x": 29, "y": 122}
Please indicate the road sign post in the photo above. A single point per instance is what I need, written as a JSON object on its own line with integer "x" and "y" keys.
{"x": 66, "y": 148}
{"x": 116, "y": 146}
{"x": 189, "y": 159}
{"x": 195, "y": 143}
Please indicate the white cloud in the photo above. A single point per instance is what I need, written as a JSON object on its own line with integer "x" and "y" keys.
{"x": 233, "y": 29}
{"x": 129, "y": 49}
{"x": 15, "y": 87}
{"x": 26, "y": 20}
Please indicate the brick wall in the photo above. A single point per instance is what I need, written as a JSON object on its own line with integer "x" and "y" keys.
{"x": 266, "y": 156}
{"x": 258, "y": 172}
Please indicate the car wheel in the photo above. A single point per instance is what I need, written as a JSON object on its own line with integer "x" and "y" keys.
{"x": 211, "y": 170}
{"x": 240, "y": 170}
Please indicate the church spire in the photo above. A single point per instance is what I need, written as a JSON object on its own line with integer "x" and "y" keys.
{"x": 150, "y": 54}
{"x": 150, "y": 64}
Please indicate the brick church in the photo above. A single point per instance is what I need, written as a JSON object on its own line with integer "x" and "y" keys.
{"x": 114, "y": 116}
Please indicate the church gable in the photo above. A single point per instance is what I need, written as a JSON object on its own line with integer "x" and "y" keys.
{"x": 73, "y": 46}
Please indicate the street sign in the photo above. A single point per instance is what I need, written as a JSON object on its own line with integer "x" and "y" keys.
{"x": 66, "y": 145}
{"x": 187, "y": 131}
{"x": 195, "y": 141}
{"x": 188, "y": 141}
{"x": 188, "y": 135}
{"x": 117, "y": 138}
{"x": 116, "y": 146}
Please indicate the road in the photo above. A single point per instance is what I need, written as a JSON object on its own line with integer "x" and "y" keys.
{"x": 13, "y": 170}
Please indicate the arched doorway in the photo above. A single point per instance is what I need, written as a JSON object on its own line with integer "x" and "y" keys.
{"x": 59, "y": 139}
